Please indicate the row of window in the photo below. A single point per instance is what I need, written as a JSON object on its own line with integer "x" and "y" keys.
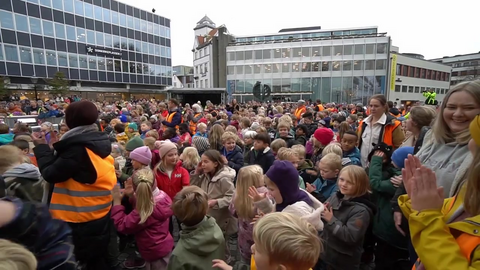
{"x": 472, "y": 72}
{"x": 201, "y": 53}
{"x": 419, "y": 89}
{"x": 202, "y": 83}
{"x": 144, "y": 21}
{"x": 317, "y": 51}
{"x": 308, "y": 67}
{"x": 473, "y": 63}
{"x": 62, "y": 31}
{"x": 309, "y": 35}
{"x": 422, "y": 73}
{"x": 201, "y": 69}
{"x": 61, "y": 59}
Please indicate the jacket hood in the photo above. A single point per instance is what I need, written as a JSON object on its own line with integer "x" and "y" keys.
{"x": 24, "y": 170}
{"x": 364, "y": 199}
{"x": 308, "y": 164}
{"x": 202, "y": 235}
{"x": 225, "y": 172}
{"x": 96, "y": 141}
{"x": 395, "y": 111}
{"x": 6, "y": 138}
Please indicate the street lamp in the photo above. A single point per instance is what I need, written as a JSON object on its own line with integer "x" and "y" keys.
{"x": 34, "y": 81}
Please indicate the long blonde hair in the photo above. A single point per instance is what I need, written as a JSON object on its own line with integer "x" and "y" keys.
{"x": 440, "y": 129}
{"x": 215, "y": 136}
{"x": 190, "y": 157}
{"x": 249, "y": 176}
{"x": 15, "y": 257}
{"x": 143, "y": 181}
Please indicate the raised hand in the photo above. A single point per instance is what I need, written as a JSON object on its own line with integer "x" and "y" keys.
{"x": 254, "y": 195}
{"x": 412, "y": 163}
{"x": 425, "y": 195}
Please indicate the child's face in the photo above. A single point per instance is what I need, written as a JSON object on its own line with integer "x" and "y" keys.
{"x": 229, "y": 144}
{"x": 259, "y": 145}
{"x": 283, "y": 132}
{"x": 262, "y": 260}
{"x": 349, "y": 120}
{"x": 335, "y": 124}
{"x": 248, "y": 141}
{"x": 63, "y": 130}
{"x": 349, "y": 141}
{"x": 267, "y": 124}
{"x": 130, "y": 130}
{"x": 144, "y": 127}
{"x": 301, "y": 161}
{"x": 44, "y": 128}
{"x": 346, "y": 185}
{"x": 208, "y": 166}
{"x": 26, "y": 151}
{"x": 171, "y": 157}
{"x": 202, "y": 129}
{"x": 294, "y": 160}
{"x": 326, "y": 172}
{"x": 137, "y": 165}
{"x": 299, "y": 132}
{"x": 273, "y": 191}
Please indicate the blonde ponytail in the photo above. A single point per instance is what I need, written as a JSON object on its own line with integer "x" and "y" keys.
{"x": 143, "y": 181}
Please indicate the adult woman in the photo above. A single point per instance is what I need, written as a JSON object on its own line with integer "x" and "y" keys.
{"x": 81, "y": 169}
{"x": 380, "y": 126}
{"x": 420, "y": 120}
{"x": 445, "y": 146}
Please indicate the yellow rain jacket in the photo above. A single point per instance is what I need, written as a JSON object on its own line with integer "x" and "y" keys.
{"x": 442, "y": 246}
{"x": 252, "y": 264}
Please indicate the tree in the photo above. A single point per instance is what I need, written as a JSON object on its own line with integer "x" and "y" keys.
{"x": 59, "y": 85}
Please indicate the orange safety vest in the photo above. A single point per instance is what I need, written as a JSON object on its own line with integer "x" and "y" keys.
{"x": 467, "y": 242}
{"x": 170, "y": 118}
{"x": 193, "y": 125}
{"x": 299, "y": 112}
{"x": 387, "y": 132}
{"x": 75, "y": 202}
{"x": 320, "y": 107}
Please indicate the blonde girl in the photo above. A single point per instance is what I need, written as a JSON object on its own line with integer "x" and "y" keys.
{"x": 148, "y": 221}
{"x": 118, "y": 152}
{"x": 190, "y": 158}
{"x": 333, "y": 148}
{"x": 242, "y": 207}
{"x": 348, "y": 214}
{"x": 215, "y": 137}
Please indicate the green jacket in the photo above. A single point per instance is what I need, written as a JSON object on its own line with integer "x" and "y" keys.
{"x": 383, "y": 191}
{"x": 198, "y": 246}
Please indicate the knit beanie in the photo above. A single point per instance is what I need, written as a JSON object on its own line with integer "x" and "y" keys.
{"x": 142, "y": 154}
{"x": 133, "y": 126}
{"x": 383, "y": 147}
{"x": 123, "y": 118}
{"x": 165, "y": 147}
{"x": 134, "y": 143}
{"x": 324, "y": 136}
{"x": 475, "y": 130}
{"x": 81, "y": 113}
{"x": 201, "y": 143}
{"x": 399, "y": 156}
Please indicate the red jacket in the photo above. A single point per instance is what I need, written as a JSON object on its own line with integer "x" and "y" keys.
{"x": 180, "y": 178}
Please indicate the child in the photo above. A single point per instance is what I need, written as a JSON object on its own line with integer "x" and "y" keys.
{"x": 153, "y": 133}
{"x": 290, "y": 155}
{"x": 121, "y": 135}
{"x": 47, "y": 128}
{"x": 26, "y": 148}
{"x": 118, "y": 153}
{"x": 139, "y": 158}
{"x": 5, "y": 136}
{"x": 63, "y": 129}
{"x": 242, "y": 207}
{"x": 261, "y": 154}
{"x": 171, "y": 134}
{"x": 201, "y": 239}
{"x": 216, "y": 179}
{"x": 304, "y": 164}
{"x": 392, "y": 246}
{"x": 348, "y": 215}
{"x": 201, "y": 130}
{"x": 276, "y": 145}
{"x": 148, "y": 221}
{"x": 150, "y": 142}
{"x": 145, "y": 127}
{"x": 301, "y": 134}
{"x": 132, "y": 130}
{"x": 190, "y": 159}
{"x": 321, "y": 138}
{"x": 231, "y": 151}
{"x": 21, "y": 180}
{"x": 267, "y": 124}
{"x": 282, "y": 241}
{"x": 326, "y": 185}
{"x": 283, "y": 133}
{"x": 201, "y": 144}
{"x": 351, "y": 154}
{"x": 248, "y": 139}
{"x": 185, "y": 136}
{"x": 332, "y": 148}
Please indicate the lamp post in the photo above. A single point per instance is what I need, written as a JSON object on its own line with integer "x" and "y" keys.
{"x": 34, "y": 81}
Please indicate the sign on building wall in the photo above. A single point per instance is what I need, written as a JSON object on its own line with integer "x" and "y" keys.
{"x": 393, "y": 72}
{"x": 103, "y": 51}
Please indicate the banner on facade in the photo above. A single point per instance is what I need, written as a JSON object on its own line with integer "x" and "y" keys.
{"x": 393, "y": 72}
{"x": 103, "y": 51}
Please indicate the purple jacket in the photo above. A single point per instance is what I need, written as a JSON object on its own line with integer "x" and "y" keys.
{"x": 153, "y": 237}
{"x": 245, "y": 229}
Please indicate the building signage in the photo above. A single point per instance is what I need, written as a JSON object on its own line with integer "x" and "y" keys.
{"x": 393, "y": 72}
{"x": 103, "y": 51}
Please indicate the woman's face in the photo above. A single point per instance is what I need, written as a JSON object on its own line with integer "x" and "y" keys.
{"x": 460, "y": 110}
{"x": 376, "y": 108}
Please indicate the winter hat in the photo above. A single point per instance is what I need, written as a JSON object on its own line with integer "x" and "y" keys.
{"x": 142, "y": 154}
{"x": 165, "y": 147}
{"x": 134, "y": 143}
{"x": 323, "y": 135}
{"x": 385, "y": 148}
{"x": 81, "y": 113}
{"x": 475, "y": 130}
{"x": 154, "y": 117}
{"x": 399, "y": 156}
{"x": 308, "y": 213}
{"x": 285, "y": 176}
{"x": 123, "y": 118}
{"x": 254, "y": 126}
{"x": 133, "y": 126}
{"x": 201, "y": 143}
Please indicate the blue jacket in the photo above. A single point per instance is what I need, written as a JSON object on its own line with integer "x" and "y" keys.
{"x": 235, "y": 158}
{"x": 6, "y": 138}
{"x": 205, "y": 135}
{"x": 176, "y": 119}
{"x": 352, "y": 157}
{"x": 324, "y": 188}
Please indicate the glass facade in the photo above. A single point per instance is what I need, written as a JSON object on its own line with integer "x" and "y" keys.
{"x": 88, "y": 40}
{"x": 349, "y": 70}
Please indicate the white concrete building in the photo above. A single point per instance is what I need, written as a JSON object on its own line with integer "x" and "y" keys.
{"x": 411, "y": 74}
{"x": 465, "y": 67}
{"x": 202, "y": 52}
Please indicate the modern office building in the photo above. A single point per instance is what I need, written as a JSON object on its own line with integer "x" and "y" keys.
{"x": 411, "y": 75}
{"x": 342, "y": 65}
{"x": 465, "y": 67}
{"x": 105, "y": 48}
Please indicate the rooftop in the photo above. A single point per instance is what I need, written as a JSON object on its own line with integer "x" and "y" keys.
{"x": 205, "y": 22}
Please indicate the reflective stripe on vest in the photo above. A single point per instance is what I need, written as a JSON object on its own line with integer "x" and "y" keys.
{"x": 193, "y": 125}
{"x": 76, "y": 202}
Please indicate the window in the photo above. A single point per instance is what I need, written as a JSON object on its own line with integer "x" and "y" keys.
{"x": 82, "y": 60}
{"x": 68, "y": 5}
{"x": 337, "y": 50}
{"x": 422, "y": 73}
{"x": 51, "y": 58}
{"x": 286, "y": 67}
{"x": 48, "y": 28}
{"x": 276, "y": 68}
{"x": 404, "y": 88}
{"x": 106, "y": 15}
{"x": 110, "y": 66}
{"x": 381, "y": 48}
{"x": 286, "y": 53}
{"x": 267, "y": 54}
{"x": 11, "y": 53}
{"x": 327, "y": 51}
{"x": 239, "y": 70}
{"x": 79, "y": 7}
{"x": 60, "y": 30}
{"x": 417, "y": 72}
{"x": 417, "y": 89}
{"x": 410, "y": 89}
{"x": 257, "y": 69}
{"x": 348, "y": 49}
{"x": 295, "y": 67}
{"x": 315, "y": 66}
{"x": 6, "y": 20}
{"x": 80, "y": 34}
{"x": 326, "y": 66}
{"x": 306, "y": 66}
{"x": 71, "y": 33}
{"x": 118, "y": 67}
{"x": 73, "y": 60}
{"x": 404, "y": 70}
{"x": 397, "y": 88}
{"x": 108, "y": 42}
{"x": 57, "y": 4}
{"x": 258, "y": 55}
{"x": 21, "y": 22}
{"x": 398, "y": 69}
{"x": 115, "y": 19}
{"x": 88, "y": 8}
{"x": 35, "y": 26}
{"x": 38, "y": 57}
{"x": 316, "y": 51}
{"x": 47, "y": 3}
{"x": 347, "y": 65}
{"x": 370, "y": 49}
{"x": 230, "y": 70}
{"x": 297, "y": 52}
{"x": 1, "y": 52}
{"x": 380, "y": 64}
{"x": 358, "y": 65}
{"x": 248, "y": 55}
{"x": 369, "y": 64}
{"x": 240, "y": 56}
{"x": 25, "y": 55}
{"x": 92, "y": 63}
{"x": 411, "y": 71}
{"x": 62, "y": 59}
{"x": 305, "y": 52}
{"x": 90, "y": 37}
{"x": 359, "y": 48}
{"x": 336, "y": 65}
{"x": 99, "y": 38}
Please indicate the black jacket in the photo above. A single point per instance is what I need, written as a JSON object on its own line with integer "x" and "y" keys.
{"x": 263, "y": 159}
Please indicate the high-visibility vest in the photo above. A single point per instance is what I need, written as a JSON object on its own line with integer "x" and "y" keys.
{"x": 320, "y": 107}
{"x": 387, "y": 131}
{"x": 193, "y": 125}
{"x": 299, "y": 111}
{"x": 170, "y": 118}
{"x": 75, "y": 202}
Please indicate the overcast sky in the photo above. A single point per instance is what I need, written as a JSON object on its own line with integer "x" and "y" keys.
{"x": 432, "y": 28}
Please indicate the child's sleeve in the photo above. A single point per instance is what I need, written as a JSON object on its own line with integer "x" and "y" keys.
{"x": 353, "y": 230}
{"x": 228, "y": 189}
{"x": 126, "y": 224}
{"x": 265, "y": 206}
{"x": 377, "y": 183}
{"x": 185, "y": 178}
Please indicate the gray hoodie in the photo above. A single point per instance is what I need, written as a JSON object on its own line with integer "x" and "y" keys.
{"x": 23, "y": 181}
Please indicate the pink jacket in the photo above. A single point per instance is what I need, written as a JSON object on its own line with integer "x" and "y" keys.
{"x": 153, "y": 238}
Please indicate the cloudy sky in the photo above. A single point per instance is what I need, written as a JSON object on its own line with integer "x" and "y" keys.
{"x": 432, "y": 28}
